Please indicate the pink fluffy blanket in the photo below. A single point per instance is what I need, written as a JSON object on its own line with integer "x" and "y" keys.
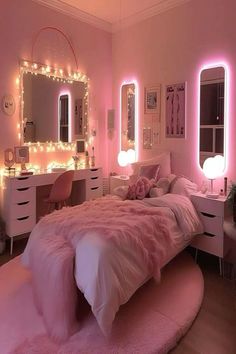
{"x": 50, "y": 254}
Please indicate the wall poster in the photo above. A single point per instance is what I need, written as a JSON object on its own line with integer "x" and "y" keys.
{"x": 175, "y": 111}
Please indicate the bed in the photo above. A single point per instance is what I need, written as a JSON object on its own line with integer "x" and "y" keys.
{"x": 107, "y": 249}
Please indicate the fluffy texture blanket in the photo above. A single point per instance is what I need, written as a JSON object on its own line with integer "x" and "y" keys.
{"x": 50, "y": 254}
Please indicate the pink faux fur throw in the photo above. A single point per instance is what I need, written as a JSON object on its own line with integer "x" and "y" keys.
{"x": 50, "y": 253}
{"x": 140, "y": 189}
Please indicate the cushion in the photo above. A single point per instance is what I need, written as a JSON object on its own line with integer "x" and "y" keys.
{"x": 121, "y": 191}
{"x": 156, "y": 192}
{"x": 149, "y": 171}
{"x": 140, "y": 189}
{"x": 183, "y": 186}
{"x": 164, "y": 184}
{"x": 163, "y": 160}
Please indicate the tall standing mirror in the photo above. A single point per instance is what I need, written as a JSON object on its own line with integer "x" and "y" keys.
{"x": 54, "y": 107}
{"x": 212, "y": 137}
{"x": 128, "y": 116}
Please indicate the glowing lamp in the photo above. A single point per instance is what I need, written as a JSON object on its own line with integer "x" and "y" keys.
{"x": 123, "y": 158}
{"x": 131, "y": 155}
{"x": 213, "y": 168}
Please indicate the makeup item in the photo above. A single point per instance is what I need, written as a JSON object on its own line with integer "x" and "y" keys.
{"x": 225, "y": 186}
{"x": 92, "y": 163}
{"x": 86, "y": 159}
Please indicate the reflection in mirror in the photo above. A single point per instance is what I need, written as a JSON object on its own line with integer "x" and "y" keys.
{"x": 212, "y": 113}
{"x": 64, "y": 118}
{"x": 54, "y": 109}
{"x": 128, "y": 117}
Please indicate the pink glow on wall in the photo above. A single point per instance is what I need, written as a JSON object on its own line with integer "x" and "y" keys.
{"x": 136, "y": 133}
{"x": 210, "y": 65}
{"x": 62, "y": 93}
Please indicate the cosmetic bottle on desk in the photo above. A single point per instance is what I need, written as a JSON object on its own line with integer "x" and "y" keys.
{"x": 92, "y": 162}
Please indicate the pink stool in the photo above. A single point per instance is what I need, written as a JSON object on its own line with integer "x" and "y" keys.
{"x": 60, "y": 191}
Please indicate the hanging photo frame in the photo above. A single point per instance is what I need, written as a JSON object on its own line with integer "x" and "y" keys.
{"x": 152, "y": 100}
{"x": 175, "y": 110}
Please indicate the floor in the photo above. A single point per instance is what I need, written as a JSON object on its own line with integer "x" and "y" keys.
{"x": 214, "y": 330}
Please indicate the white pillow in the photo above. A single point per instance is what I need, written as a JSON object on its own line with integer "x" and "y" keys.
{"x": 164, "y": 184}
{"x": 156, "y": 192}
{"x": 163, "y": 160}
{"x": 121, "y": 191}
{"x": 183, "y": 186}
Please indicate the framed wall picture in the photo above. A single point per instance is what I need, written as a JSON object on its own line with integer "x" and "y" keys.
{"x": 21, "y": 154}
{"x": 175, "y": 110}
{"x": 152, "y": 103}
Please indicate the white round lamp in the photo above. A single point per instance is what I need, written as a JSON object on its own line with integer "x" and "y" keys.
{"x": 213, "y": 168}
{"x": 131, "y": 155}
{"x": 123, "y": 158}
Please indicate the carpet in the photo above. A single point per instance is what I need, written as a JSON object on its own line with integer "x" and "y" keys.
{"x": 153, "y": 321}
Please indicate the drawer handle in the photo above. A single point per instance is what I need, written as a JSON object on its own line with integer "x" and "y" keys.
{"x": 22, "y": 178}
{"x": 94, "y": 177}
{"x": 209, "y": 234}
{"x": 208, "y": 215}
{"x": 23, "y": 203}
{"x": 93, "y": 188}
{"x": 94, "y": 169}
{"x": 22, "y": 189}
{"x": 23, "y": 218}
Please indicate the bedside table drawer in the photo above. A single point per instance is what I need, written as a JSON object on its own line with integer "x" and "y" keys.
{"x": 210, "y": 244}
{"x": 212, "y": 224}
{"x": 207, "y": 205}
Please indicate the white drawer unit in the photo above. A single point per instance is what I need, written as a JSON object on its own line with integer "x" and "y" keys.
{"x": 94, "y": 184}
{"x": 19, "y": 206}
{"x": 212, "y": 213}
{"x": 18, "y": 197}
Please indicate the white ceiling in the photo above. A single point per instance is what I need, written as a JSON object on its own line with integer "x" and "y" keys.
{"x": 111, "y": 15}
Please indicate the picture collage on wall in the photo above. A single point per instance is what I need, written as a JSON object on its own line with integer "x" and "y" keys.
{"x": 175, "y": 110}
{"x": 175, "y": 126}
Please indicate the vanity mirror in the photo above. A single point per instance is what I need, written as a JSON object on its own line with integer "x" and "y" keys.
{"x": 54, "y": 104}
{"x": 128, "y": 117}
{"x": 213, "y": 112}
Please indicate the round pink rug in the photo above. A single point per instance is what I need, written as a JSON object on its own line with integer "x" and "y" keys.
{"x": 153, "y": 321}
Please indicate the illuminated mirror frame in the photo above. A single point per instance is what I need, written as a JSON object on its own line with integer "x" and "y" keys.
{"x": 226, "y": 110}
{"x": 57, "y": 74}
{"x": 136, "y": 119}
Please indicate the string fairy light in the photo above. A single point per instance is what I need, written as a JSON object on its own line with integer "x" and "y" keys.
{"x": 59, "y": 75}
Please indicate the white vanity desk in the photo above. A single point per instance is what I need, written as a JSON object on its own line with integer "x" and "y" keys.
{"x": 22, "y": 197}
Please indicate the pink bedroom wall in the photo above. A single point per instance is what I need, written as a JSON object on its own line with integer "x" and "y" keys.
{"x": 171, "y": 48}
{"x": 20, "y": 22}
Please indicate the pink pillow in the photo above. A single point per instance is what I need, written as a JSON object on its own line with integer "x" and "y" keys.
{"x": 140, "y": 189}
{"x": 149, "y": 171}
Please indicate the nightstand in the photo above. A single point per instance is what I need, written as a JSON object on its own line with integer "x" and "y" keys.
{"x": 119, "y": 180}
{"x": 212, "y": 213}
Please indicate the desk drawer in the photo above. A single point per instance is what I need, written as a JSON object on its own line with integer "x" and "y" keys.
{"x": 95, "y": 172}
{"x": 94, "y": 192}
{"x": 212, "y": 224}
{"x": 20, "y": 225}
{"x": 21, "y": 182}
{"x": 21, "y": 209}
{"x": 94, "y": 182}
{"x": 23, "y": 194}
